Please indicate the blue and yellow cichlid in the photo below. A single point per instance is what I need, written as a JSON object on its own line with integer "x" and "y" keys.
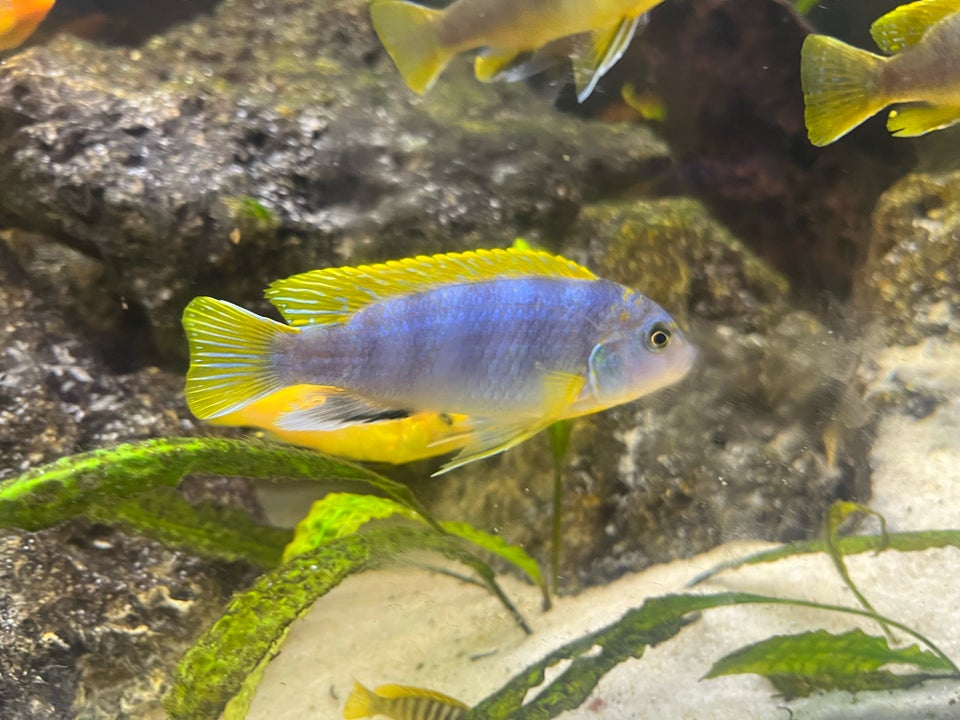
{"x": 504, "y": 341}
{"x": 422, "y": 41}
{"x": 401, "y": 702}
{"x": 843, "y": 86}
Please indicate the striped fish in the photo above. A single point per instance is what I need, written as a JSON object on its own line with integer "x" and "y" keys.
{"x": 401, "y": 702}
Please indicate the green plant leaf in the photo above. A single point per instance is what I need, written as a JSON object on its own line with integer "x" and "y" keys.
{"x": 224, "y": 533}
{"x": 916, "y": 541}
{"x": 798, "y": 665}
{"x": 593, "y": 655}
{"x": 215, "y": 671}
{"x": 338, "y": 515}
{"x": 513, "y": 554}
{"x": 72, "y": 486}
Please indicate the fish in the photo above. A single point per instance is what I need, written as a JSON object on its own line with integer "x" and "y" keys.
{"x": 18, "y": 20}
{"x": 512, "y": 340}
{"x": 843, "y": 86}
{"x": 396, "y": 442}
{"x": 401, "y": 702}
{"x": 422, "y": 41}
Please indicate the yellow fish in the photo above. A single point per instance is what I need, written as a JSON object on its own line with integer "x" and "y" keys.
{"x": 505, "y": 342}
{"x": 19, "y": 18}
{"x": 422, "y": 41}
{"x": 843, "y": 86}
{"x": 400, "y": 702}
{"x": 397, "y": 441}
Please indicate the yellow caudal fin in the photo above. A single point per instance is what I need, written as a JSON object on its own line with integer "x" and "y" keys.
{"x": 839, "y": 87}
{"x": 914, "y": 120}
{"x": 409, "y": 34}
{"x": 231, "y": 352}
{"x": 359, "y": 703}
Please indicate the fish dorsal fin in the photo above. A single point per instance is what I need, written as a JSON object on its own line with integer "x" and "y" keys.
{"x": 906, "y": 26}
{"x": 394, "y": 692}
{"x": 601, "y": 53}
{"x": 322, "y": 297}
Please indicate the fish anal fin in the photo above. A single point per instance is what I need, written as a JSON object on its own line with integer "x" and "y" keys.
{"x": 906, "y": 25}
{"x": 326, "y": 409}
{"x": 595, "y": 58}
{"x": 495, "y": 64}
{"x": 914, "y": 120}
{"x": 333, "y": 295}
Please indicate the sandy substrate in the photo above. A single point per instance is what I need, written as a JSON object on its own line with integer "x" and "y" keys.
{"x": 412, "y": 627}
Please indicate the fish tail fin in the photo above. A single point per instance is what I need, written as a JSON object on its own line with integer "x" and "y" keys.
{"x": 410, "y": 35}
{"x": 359, "y": 704}
{"x": 231, "y": 363}
{"x": 839, "y": 87}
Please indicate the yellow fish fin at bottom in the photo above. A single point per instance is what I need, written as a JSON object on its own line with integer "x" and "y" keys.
{"x": 492, "y": 65}
{"x": 409, "y": 34}
{"x": 839, "y": 87}
{"x": 905, "y": 26}
{"x": 914, "y": 120}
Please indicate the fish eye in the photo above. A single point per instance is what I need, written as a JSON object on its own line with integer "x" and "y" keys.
{"x": 658, "y": 337}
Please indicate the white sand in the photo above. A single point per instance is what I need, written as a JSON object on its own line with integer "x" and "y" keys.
{"x": 412, "y": 627}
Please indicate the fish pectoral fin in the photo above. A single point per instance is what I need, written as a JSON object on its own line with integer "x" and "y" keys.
{"x": 591, "y": 62}
{"x": 492, "y": 436}
{"x": 560, "y": 391}
{"x": 332, "y": 409}
{"x": 495, "y": 65}
{"x": 906, "y": 26}
{"x": 914, "y": 120}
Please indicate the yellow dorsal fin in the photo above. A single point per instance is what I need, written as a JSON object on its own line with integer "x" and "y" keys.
{"x": 323, "y": 297}
{"x": 405, "y": 691}
{"x": 906, "y": 26}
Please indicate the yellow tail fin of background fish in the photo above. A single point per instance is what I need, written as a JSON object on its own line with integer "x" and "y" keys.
{"x": 839, "y": 87}
{"x": 409, "y": 36}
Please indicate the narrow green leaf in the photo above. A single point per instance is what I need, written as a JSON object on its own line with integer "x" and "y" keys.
{"x": 68, "y": 487}
{"x": 214, "y": 671}
{"x": 338, "y": 515}
{"x": 513, "y": 554}
{"x": 916, "y": 541}
{"x": 164, "y": 515}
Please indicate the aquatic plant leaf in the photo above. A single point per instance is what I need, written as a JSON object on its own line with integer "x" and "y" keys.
{"x": 798, "y": 665}
{"x": 915, "y": 541}
{"x": 595, "y": 654}
{"x": 513, "y": 554}
{"x": 73, "y": 485}
{"x": 339, "y": 514}
{"x": 214, "y": 671}
{"x": 217, "y": 532}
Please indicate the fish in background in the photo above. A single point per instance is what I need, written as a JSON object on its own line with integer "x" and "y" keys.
{"x": 422, "y": 41}
{"x": 401, "y": 702}
{"x": 843, "y": 86}
{"x": 19, "y": 18}
{"x": 505, "y": 342}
